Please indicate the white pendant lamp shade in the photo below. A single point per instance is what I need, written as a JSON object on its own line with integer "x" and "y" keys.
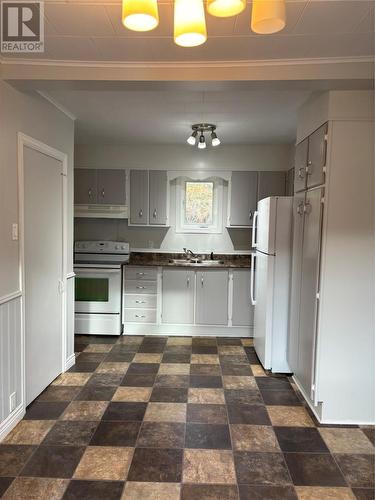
{"x": 225, "y": 8}
{"x": 140, "y": 15}
{"x": 189, "y": 23}
{"x": 268, "y": 16}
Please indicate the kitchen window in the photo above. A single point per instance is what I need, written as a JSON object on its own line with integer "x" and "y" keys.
{"x": 199, "y": 206}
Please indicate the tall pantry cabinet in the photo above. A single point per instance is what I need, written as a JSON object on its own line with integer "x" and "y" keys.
{"x": 331, "y": 334}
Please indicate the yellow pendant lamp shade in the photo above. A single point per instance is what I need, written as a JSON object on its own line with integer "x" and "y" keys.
{"x": 189, "y": 23}
{"x": 140, "y": 15}
{"x": 225, "y": 8}
{"x": 268, "y": 16}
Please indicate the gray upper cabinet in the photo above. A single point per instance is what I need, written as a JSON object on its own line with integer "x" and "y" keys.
{"x": 271, "y": 184}
{"x": 289, "y": 188}
{"x": 139, "y": 202}
{"x": 178, "y": 296}
{"x": 111, "y": 187}
{"x": 211, "y": 306}
{"x": 317, "y": 157}
{"x": 243, "y": 311}
{"x": 243, "y": 199}
{"x": 85, "y": 186}
{"x": 300, "y": 165}
{"x": 158, "y": 197}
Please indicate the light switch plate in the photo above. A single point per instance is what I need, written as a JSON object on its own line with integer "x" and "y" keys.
{"x": 15, "y": 232}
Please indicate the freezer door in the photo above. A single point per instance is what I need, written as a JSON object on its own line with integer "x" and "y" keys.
{"x": 264, "y": 287}
{"x": 266, "y": 225}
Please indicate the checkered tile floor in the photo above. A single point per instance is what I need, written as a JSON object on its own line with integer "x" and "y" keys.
{"x": 179, "y": 418}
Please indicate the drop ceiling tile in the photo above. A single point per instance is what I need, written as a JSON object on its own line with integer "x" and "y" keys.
{"x": 124, "y": 49}
{"x": 332, "y": 16}
{"x": 70, "y": 48}
{"x": 294, "y": 10}
{"x": 79, "y": 20}
{"x": 367, "y": 24}
{"x": 165, "y": 27}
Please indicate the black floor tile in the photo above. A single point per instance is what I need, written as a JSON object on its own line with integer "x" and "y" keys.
{"x": 116, "y": 434}
{"x": 280, "y": 398}
{"x": 213, "y": 370}
{"x": 250, "y": 397}
{"x": 313, "y": 469}
{"x": 358, "y": 469}
{"x": 139, "y": 380}
{"x": 206, "y": 414}
{"x": 261, "y": 468}
{"x": 248, "y": 492}
{"x": 156, "y": 465}
{"x": 207, "y": 381}
{"x": 13, "y": 458}
{"x": 177, "y": 381}
{"x": 143, "y": 368}
{"x": 53, "y": 461}
{"x": 176, "y": 358}
{"x": 305, "y": 439}
{"x": 93, "y": 490}
{"x": 85, "y": 367}
{"x": 127, "y": 412}
{"x": 161, "y": 435}
{"x": 40, "y": 410}
{"x": 69, "y": 433}
{"x": 169, "y": 395}
{"x": 241, "y": 370}
{"x": 209, "y": 492}
{"x": 96, "y": 393}
{"x": 208, "y": 436}
{"x": 204, "y": 349}
{"x": 249, "y": 414}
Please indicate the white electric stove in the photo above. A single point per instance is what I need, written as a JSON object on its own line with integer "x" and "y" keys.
{"x": 98, "y": 286}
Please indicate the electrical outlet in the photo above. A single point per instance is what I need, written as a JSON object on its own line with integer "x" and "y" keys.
{"x": 12, "y": 402}
{"x": 15, "y": 232}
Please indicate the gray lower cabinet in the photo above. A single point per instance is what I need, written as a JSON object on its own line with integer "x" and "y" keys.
{"x": 242, "y": 311}
{"x": 313, "y": 216}
{"x": 158, "y": 197}
{"x": 243, "y": 200}
{"x": 211, "y": 297}
{"x": 178, "y": 296}
{"x": 111, "y": 187}
{"x": 85, "y": 186}
{"x": 139, "y": 198}
{"x": 271, "y": 184}
{"x": 317, "y": 157}
{"x": 300, "y": 164}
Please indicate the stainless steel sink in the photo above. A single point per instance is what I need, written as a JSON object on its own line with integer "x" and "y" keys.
{"x": 197, "y": 262}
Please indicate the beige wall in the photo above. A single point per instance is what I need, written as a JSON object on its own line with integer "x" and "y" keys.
{"x": 34, "y": 116}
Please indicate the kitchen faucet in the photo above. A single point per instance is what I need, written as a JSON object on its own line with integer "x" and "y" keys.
{"x": 189, "y": 254}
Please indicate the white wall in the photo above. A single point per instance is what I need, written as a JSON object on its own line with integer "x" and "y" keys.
{"x": 34, "y": 116}
{"x": 172, "y": 157}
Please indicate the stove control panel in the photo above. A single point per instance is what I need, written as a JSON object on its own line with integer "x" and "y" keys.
{"x": 108, "y": 247}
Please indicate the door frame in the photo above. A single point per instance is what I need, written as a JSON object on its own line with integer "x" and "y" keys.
{"x": 23, "y": 141}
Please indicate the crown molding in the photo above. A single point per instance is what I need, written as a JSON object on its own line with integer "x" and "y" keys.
{"x": 185, "y": 64}
{"x": 56, "y": 104}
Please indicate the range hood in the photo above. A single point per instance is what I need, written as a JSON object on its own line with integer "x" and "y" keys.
{"x": 101, "y": 211}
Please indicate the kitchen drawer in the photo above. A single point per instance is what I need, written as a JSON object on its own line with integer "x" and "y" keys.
{"x": 141, "y": 301}
{"x": 141, "y": 273}
{"x": 140, "y": 315}
{"x": 140, "y": 287}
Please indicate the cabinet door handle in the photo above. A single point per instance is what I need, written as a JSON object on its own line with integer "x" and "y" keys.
{"x": 140, "y": 302}
{"x": 202, "y": 280}
{"x": 139, "y": 316}
{"x": 141, "y": 288}
{"x": 301, "y": 172}
{"x": 141, "y": 213}
{"x": 155, "y": 213}
{"x": 309, "y": 167}
{"x": 141, "y": 274}
{"x": 89, "y": 192}
{"x": 300, "y": 208}
{"x": 251, "y": 214}
{"x": 103, "y": 193}
{"x": 188, "y": 281}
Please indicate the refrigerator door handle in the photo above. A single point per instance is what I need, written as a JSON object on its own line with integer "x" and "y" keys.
{"x": 254, "y": 234}
{"x": 252, "y": 280}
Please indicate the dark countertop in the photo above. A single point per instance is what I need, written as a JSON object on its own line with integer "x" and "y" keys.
{"x": 164, "y": 259}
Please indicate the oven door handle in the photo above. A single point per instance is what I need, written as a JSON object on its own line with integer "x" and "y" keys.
{"x": 94, "y": 270}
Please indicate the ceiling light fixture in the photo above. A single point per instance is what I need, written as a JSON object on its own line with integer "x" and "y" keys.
{"x": 268, "y": 16}
{"x": 189, "y": 23}
{"x": 140, "y": 15}
{"x": 225, "y": 8}
{"x": 202, "y": 129}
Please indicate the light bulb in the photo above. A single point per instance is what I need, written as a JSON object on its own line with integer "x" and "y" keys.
{"x": 189, "y": 23}
{"x": 225, "y": 8}
{"x": 202, "y": 142}
{"x": 268, "y": 16}
{"x": 215, "y": 140}
{"x": 193, "y": 138}
{"x": 140, "y": 15}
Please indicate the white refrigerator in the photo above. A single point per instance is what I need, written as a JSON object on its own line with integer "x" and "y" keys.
{"x": 270, "y": 280}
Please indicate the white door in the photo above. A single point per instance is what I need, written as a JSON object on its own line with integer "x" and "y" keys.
{"x": 43, "y": 216}
{"x": 263, "y": 308}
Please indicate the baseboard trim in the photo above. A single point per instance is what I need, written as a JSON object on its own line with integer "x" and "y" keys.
{"x": 11, "y": 421}
{"x": 71, "y": 360}
{"x": 187, "y": 330}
